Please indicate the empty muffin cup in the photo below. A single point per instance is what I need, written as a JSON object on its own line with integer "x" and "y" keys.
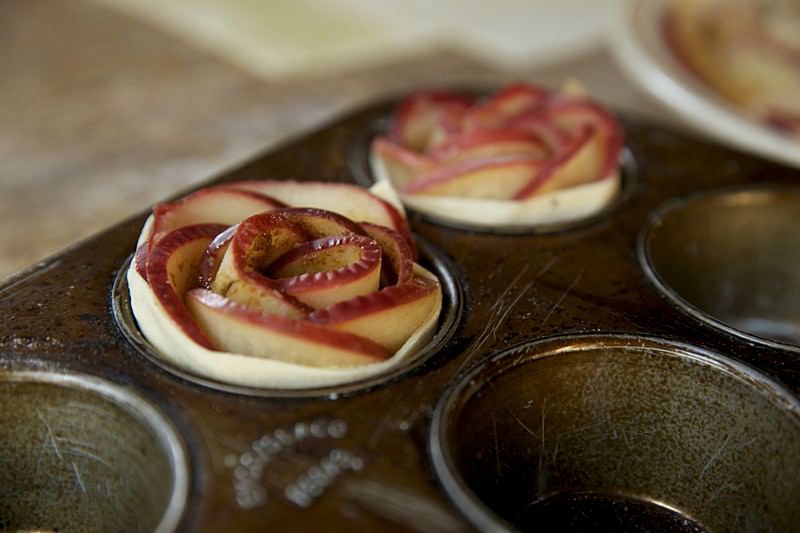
{"x": 82, "y": 454}
{"x": 609, "y": 433}
{"x": 732, "y": 259}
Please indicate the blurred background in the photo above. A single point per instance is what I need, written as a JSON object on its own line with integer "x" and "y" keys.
{"x": 107, "y": 106}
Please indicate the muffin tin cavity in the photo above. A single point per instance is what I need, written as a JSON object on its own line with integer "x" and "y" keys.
{"x": 636, "y": 370}
{"x": 360, "y": 167}
{"x": 732, "y": 259}
{"x": 607, "y": 432}
{"x": 82, "y": 454}
{"x": 449, "y": 319}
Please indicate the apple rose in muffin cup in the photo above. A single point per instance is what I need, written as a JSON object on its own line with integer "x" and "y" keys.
{"x": 282, "y": 284}
{"x": 522, "y": 157}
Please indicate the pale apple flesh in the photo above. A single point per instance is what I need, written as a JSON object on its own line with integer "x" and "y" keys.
{"x": 488, "y": 143}
{"x": 258, "y": 241}
{"x": 499, "y": 178}
{"x": 350, "y": 201}
{"x": 507, "y": 103}
{"x": 329, "y": 270}
{"x": 387, "y": 317}
{"x": 241, "y": 329}
{"x": 172, "y": 267}
{"x": 397, "y": 265}
{"x": 289, "y": 297}
{"x": 222, "y": 204}
{"x": 403, "y": 164}
{"x": 426, "y": 116}
{"x": 518, "y": 145}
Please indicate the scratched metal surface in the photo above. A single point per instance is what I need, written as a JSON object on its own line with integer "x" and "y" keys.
{"x": 361, "y": 460}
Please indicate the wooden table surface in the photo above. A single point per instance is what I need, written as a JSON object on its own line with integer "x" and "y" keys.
{"x": 102, "y": 115}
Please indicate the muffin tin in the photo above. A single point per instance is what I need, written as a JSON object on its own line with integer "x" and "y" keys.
{"x": 637, "y": 369}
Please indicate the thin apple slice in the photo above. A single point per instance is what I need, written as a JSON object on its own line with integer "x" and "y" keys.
{"x": 256, "y": 243}
{"x": 212, "y": 257}
{"x": 325, "y": 271}
{"x": 536, "y": 122}
{"x": 319, "y": 222}
{"x": 580, "y": 162}
{"x": 495, "y": 178}
{"x": 517, "y": 98}
{"x": 488, "y": 143}
{"x": 172, "y": 267}
{"x": 402, "y": 164}
{"x": 221, "y": 204}
{"x": 572, "y": 114}
{"x": 400, "y": 265}
{"x": 509, "y": 102}
{"x": 387, "y": 317}
{"x": 261, "y": 239}
{"x": 350, "y": 201}
{"x": 591, "y": 152}
{"x": 239, "y": 329}
{"x": 424, "y": 116}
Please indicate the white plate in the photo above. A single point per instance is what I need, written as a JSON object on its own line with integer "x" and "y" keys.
{"x": 636, "y": 39}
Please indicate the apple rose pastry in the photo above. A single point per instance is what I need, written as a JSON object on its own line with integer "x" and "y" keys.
{"x": 521, "y": 157}
{"x": 748, "y": 51}
{"x": 234, "y": 284}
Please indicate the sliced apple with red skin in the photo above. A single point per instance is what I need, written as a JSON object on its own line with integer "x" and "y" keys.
{"x": 398, "y": 259}
{"x": 140, "y": 259}
{"x": 505, "y": 104}
{"x": 425, "y": 115}
{"x": 521, "y": 142}
{"x": 212, "y": 257}
{"x": 240, "y": 329}
{"x": 591, "y": 152}
{"x": 312, "y": 222}
{"x": 579, "y": 162}
{"x": 172, "y": 267}
{"x": 256, "y": 243}
{"x": 221, "y": 204}
{"x": 261, "y": 239}
{"x": 517, "y": 98}
{"x": 573, "y": 114}
{"x": 403, "y": 164}
{"x": 351, "y": 201}
{"x": 536, "y": 122}
{"x": 328, "y": 270}
{"x": 487, "y": 143}
{"x": 319, "y": 222}
{"x": 497, "y": 178}
{"x": 387, "y": 317}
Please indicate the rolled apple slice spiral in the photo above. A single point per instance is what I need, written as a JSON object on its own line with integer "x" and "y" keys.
{"x": 521, "y": 157}
{"x": 232, "y": 284}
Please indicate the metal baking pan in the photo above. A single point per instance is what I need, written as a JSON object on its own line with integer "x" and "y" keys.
{"x": 637, "y": 369}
